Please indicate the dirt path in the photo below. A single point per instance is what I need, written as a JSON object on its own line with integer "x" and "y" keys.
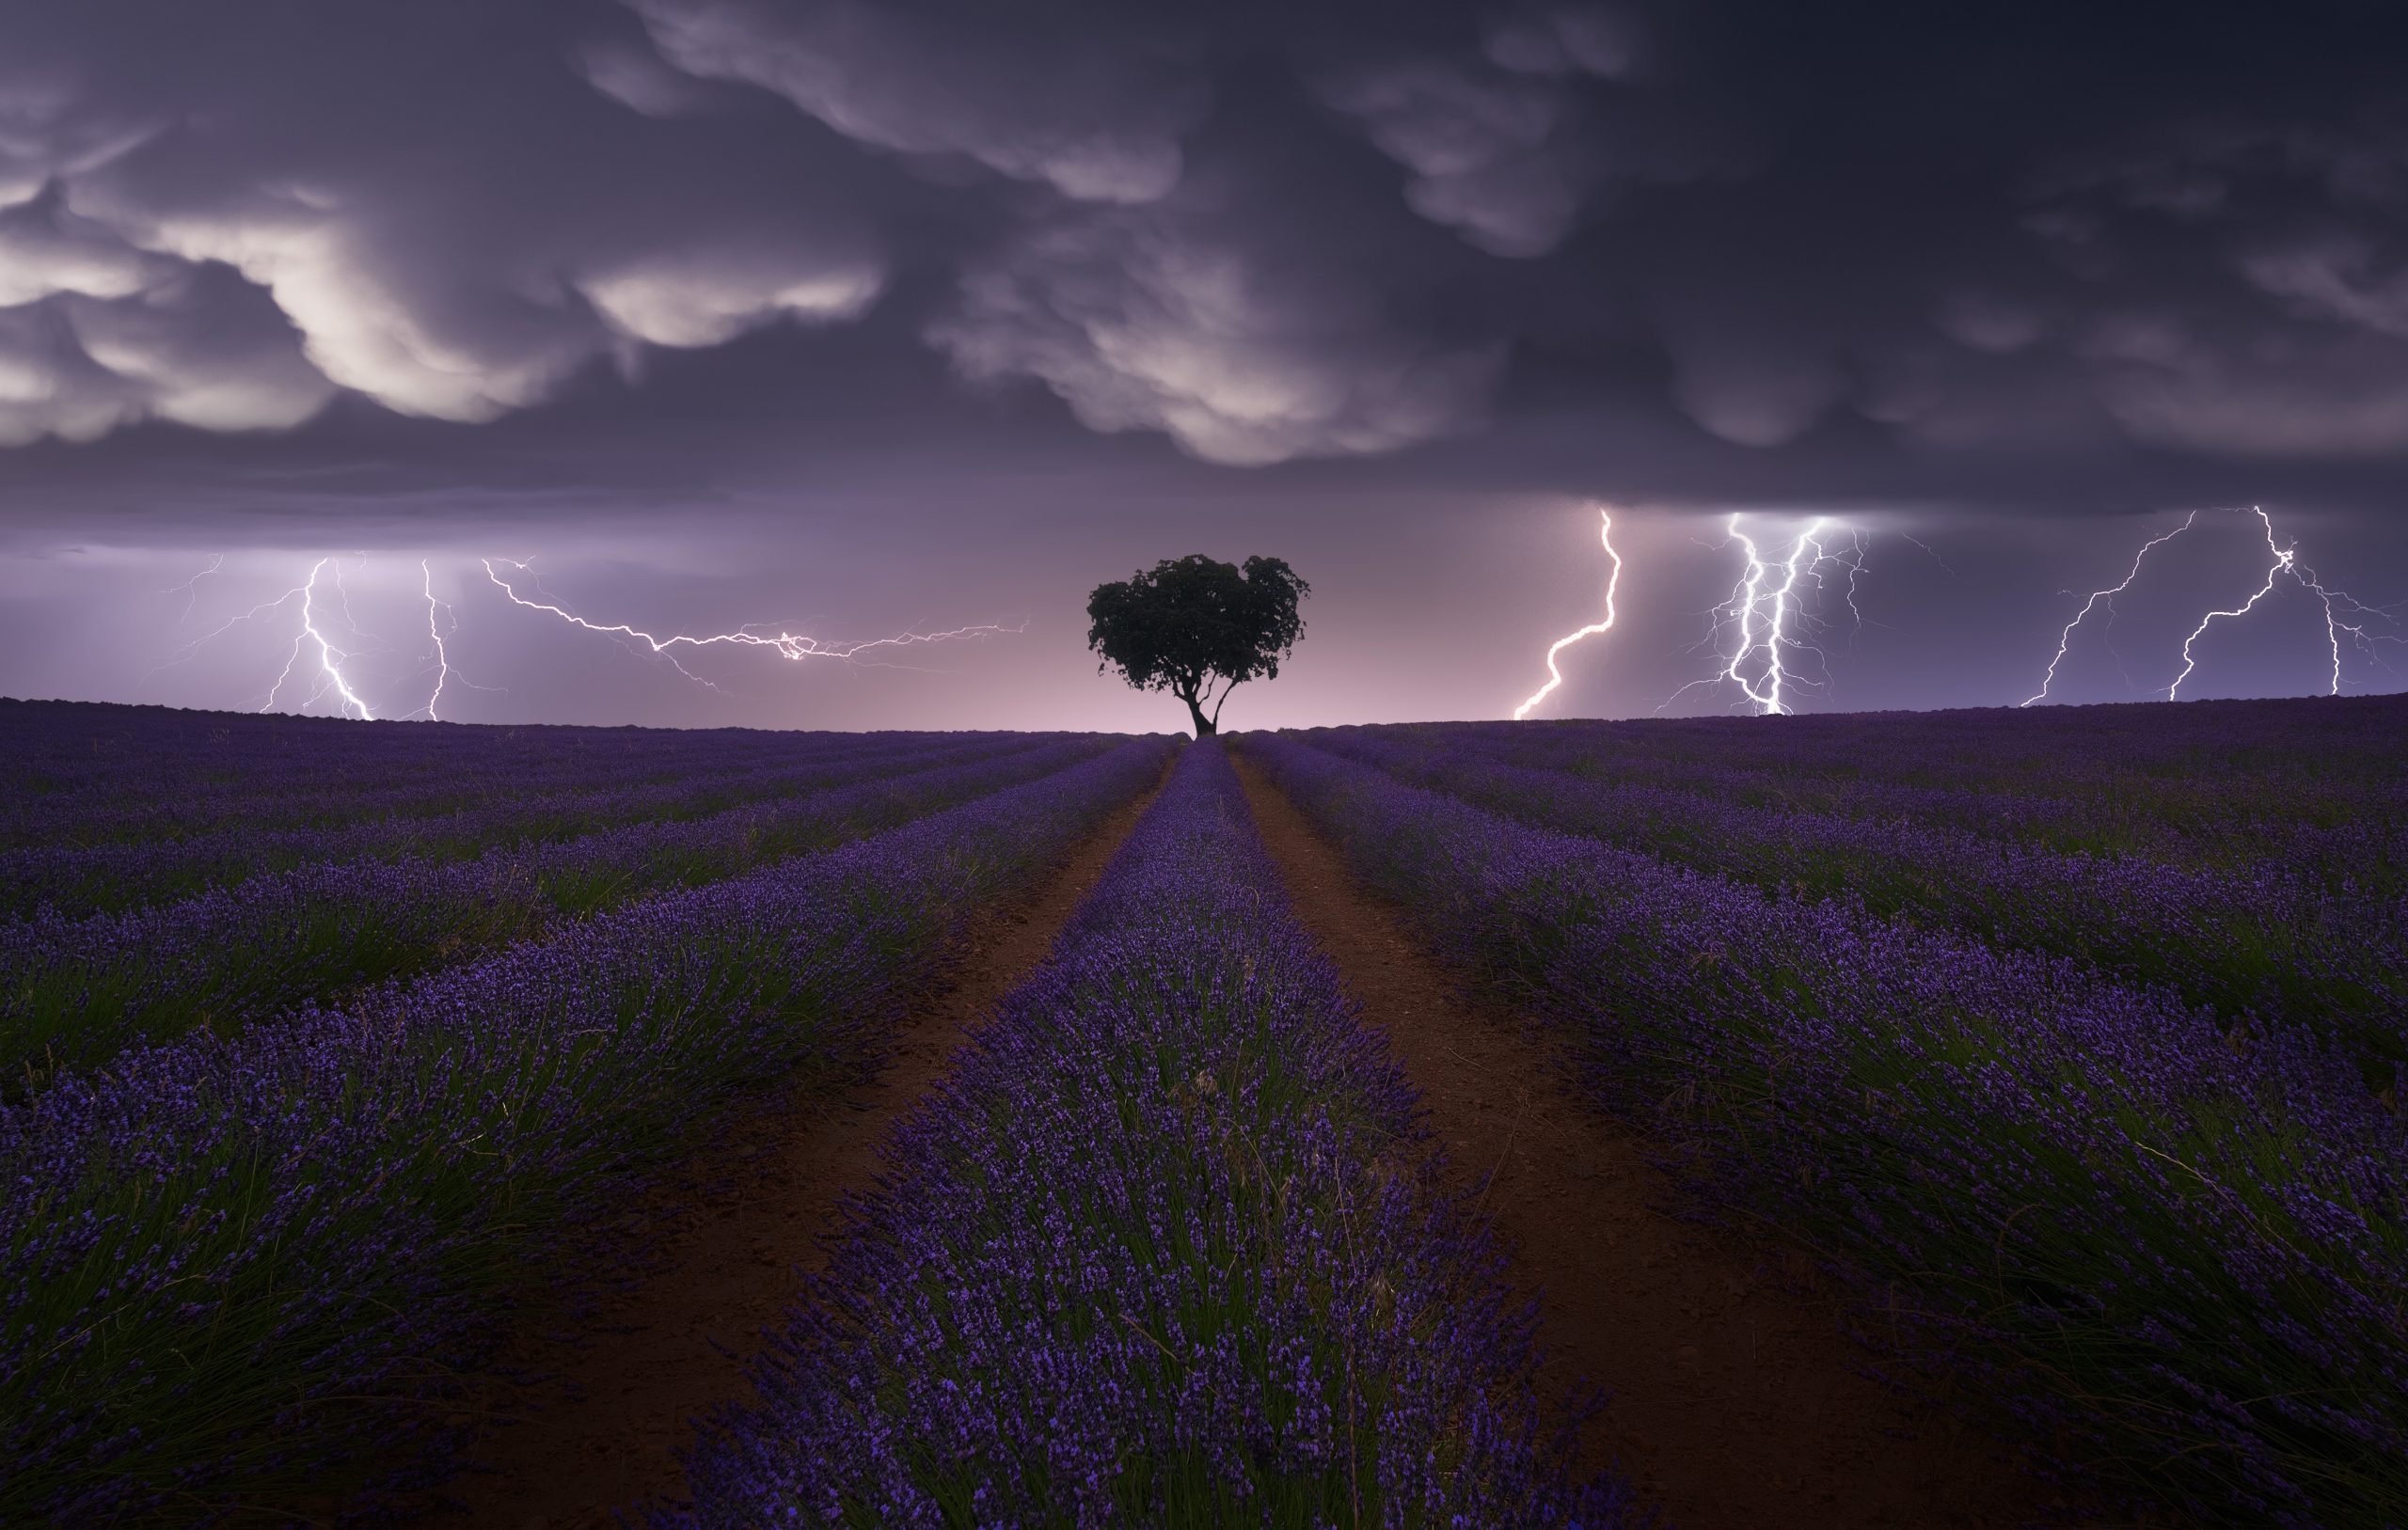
{"x": 1735, "y": 1401}
{"x": 721, "y": 1245}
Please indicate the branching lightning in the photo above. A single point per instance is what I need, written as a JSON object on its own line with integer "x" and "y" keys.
{"x": 1771, "y": 617}
{"x": 1555, "y": 676}
{"x": 190, "y": 589}
{"x": 2064, "y": 639}
{"x": 791, "y": 646}
{"x": 2343, "y": 612}
{"x": 2281, "y": 564}
{"x": 2359, "y": 636}
{"x": 320, "y": 604}
{"x": 330, "y": 658}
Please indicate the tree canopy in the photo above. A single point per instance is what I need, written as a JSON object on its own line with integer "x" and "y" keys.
{"x": 1190, "y": 623}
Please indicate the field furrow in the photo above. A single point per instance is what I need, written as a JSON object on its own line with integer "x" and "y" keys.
{"x": 228, "y": 1261}
{"x": 74, "y": 991}
{"x": 2268, "y": 946}
{"x": 1166, "y": 1249}
{"x": 68, "y": 881}
{"x": 2175, "y": 1249}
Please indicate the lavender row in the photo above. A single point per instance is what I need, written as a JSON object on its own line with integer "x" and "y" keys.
{"x": 170, "y": 795}
{"x": 66, "y": 880}
{"x": 2348, "y": 744}
{"x": 2174, "y": 1249}
{"x": 228, "y": 1263}
{"x": 2273, "y": 945}
{"x": 74, "y": 991}
{"x": 75, "y": 747}
{"x": 1162, "y": 1250}
{"x": 74, "y": 753}
{"x": 2351, "y": 831}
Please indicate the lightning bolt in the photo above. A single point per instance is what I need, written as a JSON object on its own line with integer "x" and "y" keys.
{"x": 2064, "y": 639}
{"x": 2285, "y": 560}
{"x": 2333, "y": 626}
{"x": 427, "y": 585}
{"x": 191, "y": 587}
{"x": 1771, "y": 619}
{"x": 793, "y": 647}
{"x": 2281, "y": 565}
{"x": 329, "y": 657}
{"x": 1555, "y": 676}
{"x": 1768, "y": 697}
{"x": 2343, "y": 611}
{"x": 439, "y": 628}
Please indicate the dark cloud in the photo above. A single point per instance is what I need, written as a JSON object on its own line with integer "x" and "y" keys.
{"x": 2176, "y": 227}
{"x": 901, "y": 274}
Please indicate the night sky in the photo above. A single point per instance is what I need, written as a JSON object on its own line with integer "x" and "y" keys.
{"x": 855, "y": 319}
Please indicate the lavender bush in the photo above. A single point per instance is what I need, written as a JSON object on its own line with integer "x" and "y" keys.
{"x": 2176, "y": 1246}
{"x": 2271, "y": 941}
{"x": 74, "y": 991}
{"x": 1162, "y": 1250}
{"x": 121, "y": 875}
{"x": 86, "y": 774}
{"x": 227, "y": 1260}
{"x": 2343, "y": 818}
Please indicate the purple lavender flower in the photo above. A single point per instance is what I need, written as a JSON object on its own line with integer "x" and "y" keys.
{"x": 2174, "y": 1247}
{"x": 1164, "y": 1249}
{"x": 226, "y": 1261}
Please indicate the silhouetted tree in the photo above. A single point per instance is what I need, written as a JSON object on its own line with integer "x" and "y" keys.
{"x": 1188, "y": 623}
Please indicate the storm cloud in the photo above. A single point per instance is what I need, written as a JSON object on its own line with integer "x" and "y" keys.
{"x": 2185, "y": 220}
{"x": 446, "y": 263}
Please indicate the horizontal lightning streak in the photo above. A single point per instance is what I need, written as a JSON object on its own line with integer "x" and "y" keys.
{"x": 794, "y": 647}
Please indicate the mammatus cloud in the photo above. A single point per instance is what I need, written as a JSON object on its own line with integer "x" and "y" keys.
{"x": 1176, "y": 318}
{"x": 95, "y": 334}
{"x": 1482, "y": 144}
{"x": 1503, "y": 144}
{"x": 1095, "y": 110}
{"x": 1264, "y": 231}
{"x": 228, "y": 261}
{"x": 2247, "y": 292}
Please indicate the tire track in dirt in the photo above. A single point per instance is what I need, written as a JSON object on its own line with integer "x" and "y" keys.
{"x": 1735, "y": 1398}
{"x": 719, "y": 1242}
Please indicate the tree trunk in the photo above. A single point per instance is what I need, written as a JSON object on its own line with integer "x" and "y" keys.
{"x": 1204, "y": 728}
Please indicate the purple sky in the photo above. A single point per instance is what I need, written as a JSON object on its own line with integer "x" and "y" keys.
{"x": 858, "y": 319}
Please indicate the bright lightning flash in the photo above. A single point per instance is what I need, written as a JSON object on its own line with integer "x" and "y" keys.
{"x": 1772, "y": 615}
{"x": 2285, "y": 560}
{"x": 1555, "y": 676}
{"x": 2064, "y": 639}
{"x": 2343, "y": 612}
{"x": 329, "y": 657}
{"x": 786, "y": 645}
{"x": 442, "y": 654}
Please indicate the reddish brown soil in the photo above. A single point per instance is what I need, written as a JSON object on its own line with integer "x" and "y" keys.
{"x": 721, "y": 1240}
{"x": 1735, "y": 1397}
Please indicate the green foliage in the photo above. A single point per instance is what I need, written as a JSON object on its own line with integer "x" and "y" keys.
{"x": 1189, "y": 623}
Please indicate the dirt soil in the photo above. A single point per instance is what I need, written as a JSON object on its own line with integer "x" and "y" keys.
{"x": 720, "y": 1242}
{"x": 1736, "y": 1400}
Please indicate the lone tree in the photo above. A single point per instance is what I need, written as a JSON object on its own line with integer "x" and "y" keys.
{"x": 1187, "y": 622}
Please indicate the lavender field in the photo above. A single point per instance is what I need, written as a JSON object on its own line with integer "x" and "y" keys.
{"x": 2067, "y": 1044}
{"x": 276, "y": 1137}
{"x": 2075, "y": 1039}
